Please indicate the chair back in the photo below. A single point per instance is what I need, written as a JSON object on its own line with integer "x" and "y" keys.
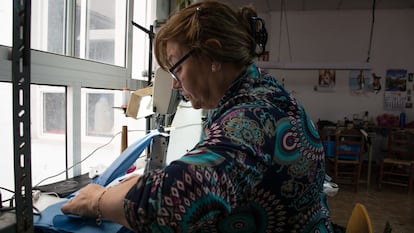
{"x": 401, "y": 145}
{"x": 349, "y": 145}
{"x": 397, "y": 166}
{"x": 359, "y": 222}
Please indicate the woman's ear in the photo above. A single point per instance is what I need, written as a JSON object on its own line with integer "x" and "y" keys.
{"x": 213, "y": 43}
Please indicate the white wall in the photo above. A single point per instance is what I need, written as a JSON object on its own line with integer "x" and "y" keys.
{"x": 333, "y": 37}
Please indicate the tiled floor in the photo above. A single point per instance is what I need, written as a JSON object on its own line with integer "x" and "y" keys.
{"x": 393, "y": 204}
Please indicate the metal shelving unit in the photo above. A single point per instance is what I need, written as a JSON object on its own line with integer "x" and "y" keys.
{"x": 21, "y": 115}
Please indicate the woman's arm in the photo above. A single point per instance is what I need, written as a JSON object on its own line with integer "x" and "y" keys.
{"x": 94, "y": 199}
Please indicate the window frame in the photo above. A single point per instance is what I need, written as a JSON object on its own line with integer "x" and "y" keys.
{"x": 75, "y": 74}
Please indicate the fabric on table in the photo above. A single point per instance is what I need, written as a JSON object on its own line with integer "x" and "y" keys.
{"x": 51, "y": 219}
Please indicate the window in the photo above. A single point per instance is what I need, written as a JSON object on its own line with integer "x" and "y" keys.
{"x": 54, "y": 109}
{"x": 140, "y": 41}
{"x": 66, "y": 86}
{"x": 6, "y": 19}
{"x": 48, "y": 26}
{"x": 103, "y": 122}
{"x": 6, "y": 139}
{"x": 48, "y": 151}
{"x": 100, "y": 114}
{"x": 89, "y": 29}
{"x": 98, "y": 29}
{"x": 48, "y": 132}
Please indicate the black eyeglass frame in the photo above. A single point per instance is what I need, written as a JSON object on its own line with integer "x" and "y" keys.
{"x": 179, "y": 62}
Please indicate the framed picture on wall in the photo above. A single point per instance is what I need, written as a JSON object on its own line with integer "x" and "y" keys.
{"x": 396, "y": 80}
{"x": 360, "y": 81}
{"x": 326, "y": 80}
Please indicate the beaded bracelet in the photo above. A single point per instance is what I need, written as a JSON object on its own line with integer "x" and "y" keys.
{"x": 98, "y": 210}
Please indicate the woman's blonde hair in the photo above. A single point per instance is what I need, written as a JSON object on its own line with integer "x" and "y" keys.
{"x": 210, "y": 20}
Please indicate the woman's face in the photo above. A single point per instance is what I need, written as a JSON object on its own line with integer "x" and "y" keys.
{"x": 192, "y": 73}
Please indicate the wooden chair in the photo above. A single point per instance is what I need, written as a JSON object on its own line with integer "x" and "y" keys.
{"x": 345, "y": 166}
{"x": 397, "y": 166}
{"x": 359, "y": 222}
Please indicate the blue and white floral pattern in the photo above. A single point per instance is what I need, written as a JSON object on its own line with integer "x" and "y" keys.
{"x": 258, "y": 168}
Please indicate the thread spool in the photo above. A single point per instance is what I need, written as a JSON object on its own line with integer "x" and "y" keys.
{"x": 125, "y": 97}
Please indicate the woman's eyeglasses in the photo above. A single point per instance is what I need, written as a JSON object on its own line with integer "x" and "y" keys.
{"x": 179, "y": 62}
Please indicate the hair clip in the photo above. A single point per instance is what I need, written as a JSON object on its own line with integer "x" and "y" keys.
{"x": 259, "y": 34}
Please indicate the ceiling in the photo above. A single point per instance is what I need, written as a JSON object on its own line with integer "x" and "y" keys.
{"x": 309, "y": 5}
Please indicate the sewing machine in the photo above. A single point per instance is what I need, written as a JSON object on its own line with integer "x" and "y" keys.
{"x": 176, "y": 129}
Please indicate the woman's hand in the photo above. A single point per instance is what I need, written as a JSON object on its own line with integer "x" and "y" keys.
{"x": 85, "y": 203}
{"x": 110, "y": 201}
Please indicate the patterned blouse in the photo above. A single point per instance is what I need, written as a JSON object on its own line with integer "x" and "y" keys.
{"x": 259, "y": 167}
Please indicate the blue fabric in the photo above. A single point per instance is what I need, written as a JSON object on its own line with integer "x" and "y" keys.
{"x": 125, "y": 160}
{"x": 52, "y": 220}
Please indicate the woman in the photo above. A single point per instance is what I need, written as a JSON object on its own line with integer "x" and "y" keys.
{"x": 260, "y": 164}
